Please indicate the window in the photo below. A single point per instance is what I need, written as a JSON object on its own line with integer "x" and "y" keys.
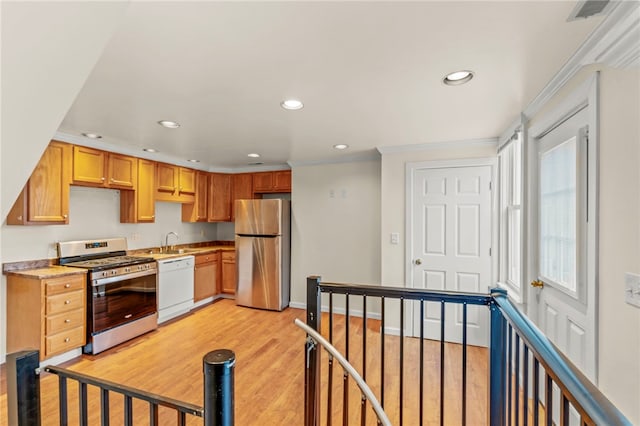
{"x": 510, "y": 218}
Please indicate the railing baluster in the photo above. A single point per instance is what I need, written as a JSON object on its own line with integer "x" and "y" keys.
{"x": 182, "y": 418}
{"x": 330, "y": 381}
{"x": 128, "y": 411}
{"x": 363, "y": 408}
{"x": 498, "y": 373}
{"x": 62, "y": 386}
{"x": 548, "y": 396}
{"x": 364, "y": 354}
{"x": 464, "y": 363}
{"x": 104, "y": 407}
{"x": 442, "y": 313}
{"x": 421, "y": 398}
{"x": 536, "y": 391}
{"x": 401, "y": 393}
{"x": 517, "y": 378}
{"x": 382, "y": 357}
{"x": 510, "y": 375}
{"x": 345, "y": 376}
{"x": 153, "y": 414}
{"x": 564, "y": 409}
{"x": 525, "y": 386}
{"x": 82, "y": 412}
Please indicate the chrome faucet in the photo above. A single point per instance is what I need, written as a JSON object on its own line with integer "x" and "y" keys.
{"x": 166, "y": 239}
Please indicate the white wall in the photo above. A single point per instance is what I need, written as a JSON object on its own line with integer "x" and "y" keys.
{"x": 94, "y": 213}
{"x": 335, "y": 225}
{"x": 619, "y": 323}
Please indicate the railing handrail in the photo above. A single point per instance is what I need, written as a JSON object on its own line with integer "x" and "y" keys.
{"x": 566, "y": 375}
{"x": 407, "y": 293}
{"x": 153, "y": 398}
{"x": 366, "y": 390}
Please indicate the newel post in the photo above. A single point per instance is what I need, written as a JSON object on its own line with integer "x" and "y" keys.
{"x": 497, "y": 362}
{"x": 23, "y": 388}
{"x": 312, "y": 355}
{"x": 218, "y": 387}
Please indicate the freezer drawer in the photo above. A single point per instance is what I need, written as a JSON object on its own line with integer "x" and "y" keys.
{"x": 260, "y": 277}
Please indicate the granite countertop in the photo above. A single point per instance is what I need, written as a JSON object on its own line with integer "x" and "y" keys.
{"x": 187, "y": 251}
{"x": 48, "y": 272}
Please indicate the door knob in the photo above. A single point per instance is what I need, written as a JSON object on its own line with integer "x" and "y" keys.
{"x": 537, "y": 283}
{"x": 418, "y": 261}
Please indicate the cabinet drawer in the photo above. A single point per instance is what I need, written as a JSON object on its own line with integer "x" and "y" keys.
{"x": 206, "y": 258}
{"x": 229, "y": 256}
{"x": 61, "y": 322}
{"x": 64, "y": 284}
{"x": 64, "y": 302}
{"x": 64, "y": 341}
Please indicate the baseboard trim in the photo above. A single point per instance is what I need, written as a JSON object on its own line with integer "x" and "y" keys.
{"x": 340, "y": 311}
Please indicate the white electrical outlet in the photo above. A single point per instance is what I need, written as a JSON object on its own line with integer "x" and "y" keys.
{"x": 632, "y": 289}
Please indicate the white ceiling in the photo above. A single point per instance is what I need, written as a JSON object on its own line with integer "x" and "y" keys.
{"x": 369, "y": 74}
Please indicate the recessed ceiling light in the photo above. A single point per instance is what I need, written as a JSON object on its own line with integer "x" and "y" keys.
{"x": 291, "y": 104}
{"x": 194, "y": 161}
{"x": 169, "y": 124}
{"x": 458, "y": 77}
{"x": 253, "y": 155}
{"x": 149, "y": 150}
{"x": 341, "y": 146}
{"x": 92, "y": 135}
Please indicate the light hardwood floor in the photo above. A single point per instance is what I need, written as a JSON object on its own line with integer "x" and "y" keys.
{"x": 269, "y": 371}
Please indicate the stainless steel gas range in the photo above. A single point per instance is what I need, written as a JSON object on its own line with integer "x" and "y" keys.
{"x": 121, "y": 290}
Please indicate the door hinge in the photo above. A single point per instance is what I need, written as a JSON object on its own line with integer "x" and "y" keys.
{"x": 489, "y": 185}
{"x": 489, "y": 251}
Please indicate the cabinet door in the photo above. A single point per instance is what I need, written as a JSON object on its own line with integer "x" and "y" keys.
{"x": 45, "y": 197}
{"x": 197, "y": 211}
{"x": 241, "y": 189}
{"x": 262, "y": 182}
{"x": 282, "y": 181}
{"x": 123, "y": 171}
{"x": 205, "y": 278}
{"x": 89, "y": 166}
{"x": 146, "y": 211}
{"x": 187, "y": 181}
{"x": 228, "y": 272}
{"x": 167, "y": 177}
{"x": 219, "y": 208}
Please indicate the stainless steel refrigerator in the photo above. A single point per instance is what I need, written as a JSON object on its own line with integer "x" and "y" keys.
{"x": 263, "y": 242}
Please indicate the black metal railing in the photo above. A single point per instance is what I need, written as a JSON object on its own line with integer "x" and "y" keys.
{"x": 23, "y": 393}
{"x": 511, "y": 385}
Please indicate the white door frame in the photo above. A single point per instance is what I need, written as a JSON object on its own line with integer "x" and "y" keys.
{"x": 585, "y": 95}
{"x": 410, "y": 169}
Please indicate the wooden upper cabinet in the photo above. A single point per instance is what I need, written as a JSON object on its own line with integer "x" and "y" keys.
{"x": 241, "y": 189}
{"x": 139, "y": 205}
{"x": 92, "y": 167}
{"x": 278, "y": 181}
{"x": 219, "y": 200}
{"x": 45, "y": 198}
{"x": 197, "y": 211}
{"x": 175, "y": 183}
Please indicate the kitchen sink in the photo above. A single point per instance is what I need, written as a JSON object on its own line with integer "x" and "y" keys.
{"x": 181, "y": 251}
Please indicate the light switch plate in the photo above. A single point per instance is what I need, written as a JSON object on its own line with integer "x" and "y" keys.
{"x": 632, "y": 289}
{"x": 395, "y": 238}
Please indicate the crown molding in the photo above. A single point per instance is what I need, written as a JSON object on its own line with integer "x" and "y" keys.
{"x": 372, "y": 155}
{"x": 614, "y": 42}
{"x": 430, "y": 146}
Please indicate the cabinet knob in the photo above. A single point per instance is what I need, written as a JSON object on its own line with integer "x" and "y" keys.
{"x": 19, "y": 217}
{"x": 65, "y": 216}
{"x": 67, "y": 285}
{"x": 67, "y": 320}
{"x": 102, "y": 178}
{"x": 66, "y": 340}
{"x": 66, "y": 302}
{"x": 111, "y": 180}
{"x": 153, "y": 216}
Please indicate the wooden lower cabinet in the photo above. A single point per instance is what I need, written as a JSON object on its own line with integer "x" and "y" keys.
{"x": 47, "y": 314}
{"x": 206, "y": 276}
{"x": 228, "y": 264}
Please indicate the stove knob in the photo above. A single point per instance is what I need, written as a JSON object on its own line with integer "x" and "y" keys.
{"x": 127, "y": 269}
{"x": 114, "y": 272}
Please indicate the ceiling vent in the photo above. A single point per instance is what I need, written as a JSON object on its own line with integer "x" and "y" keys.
{"x": 588, "y": 8}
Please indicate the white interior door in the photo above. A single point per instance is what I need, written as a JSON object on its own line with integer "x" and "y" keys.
{"x": 451, "y": 246}
{"x": 566, "y": 240}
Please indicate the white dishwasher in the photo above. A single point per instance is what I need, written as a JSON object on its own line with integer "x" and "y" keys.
{"x": 175, "y": 287}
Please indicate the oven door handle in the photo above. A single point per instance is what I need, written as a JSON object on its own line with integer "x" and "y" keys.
{"x": 109, "y": 280}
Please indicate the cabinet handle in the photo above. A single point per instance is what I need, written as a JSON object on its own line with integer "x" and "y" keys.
{"x": 66, "y": 340}
{"x": 112, "y": 180}
{"x": 66, "y": 302}
{"x": 153, "y": 216}
{"x": 65, "y": 216}
{"x": 19, "y": 217}
{"x": 67, "y": 320}
{"x": 67, "y": 285}
{"x": 102, "y": 178}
